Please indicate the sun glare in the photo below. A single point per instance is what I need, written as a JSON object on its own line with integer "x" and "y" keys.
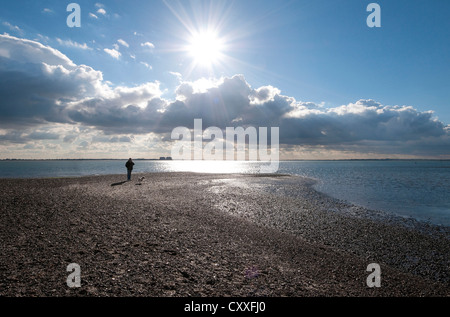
{"x": 206, "y": 48}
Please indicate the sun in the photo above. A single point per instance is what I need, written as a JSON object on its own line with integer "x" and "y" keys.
{"x": 206, "y": 48}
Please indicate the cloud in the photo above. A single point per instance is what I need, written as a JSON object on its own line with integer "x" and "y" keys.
{"x": 147, "y": 65}
{"x": 27, "y": 51}
{"x": 113, "y": 53}
{"x": 48, "y": 11}
{"x": 13, "y": 28}
{"x": 232, "y": 100}
{"x": 177, "y": 75}
{"x": 148, "y": 44}
{"x": 113, "y": 139}
{"x": 264, "y": 94}
{"x": 101, "y": 11}
{"x": 92, "y": 15}
{"x": 41, "y": 87}
{"x": 125, "y": 110}
{"x": 361, "y": 126}
{"x": 42, "y": 38}
{"x": 37, "y": 135}
{"x": 70, "y": 43}
{"x": 27, "y": 135}
{"x": 365, "y": 120}
{"x": 70, "y": 138}
{"x": 37, "y": 82}
{"x": 83, "y": 145}
{"x": 123, "y": 43}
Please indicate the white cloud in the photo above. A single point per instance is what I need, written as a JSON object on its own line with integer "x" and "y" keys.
{"x": 48, "y": 11}
{"x": 147, "y": 65}
{"x": 264, "y": 94}
{"x": 42, "y": 38}
{"x": 13, "y": 28}
{"x": 177, "y": 75}
{"x": 92, "y": 15}
{"x": 21, "y": 50}
{"x": 123, "y": 43}
{"x": 113, "y": 53}
{"x": 148, "y": 44}
{"x": 139, "y": 95}
{"x": 70, "y": 43}
{"x": 101, "y": 11}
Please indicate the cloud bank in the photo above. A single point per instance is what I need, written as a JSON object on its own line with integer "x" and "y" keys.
{"x": 41, "y": 87}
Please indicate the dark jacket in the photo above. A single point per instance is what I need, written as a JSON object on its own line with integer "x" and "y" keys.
{"x": 129, "y": 165}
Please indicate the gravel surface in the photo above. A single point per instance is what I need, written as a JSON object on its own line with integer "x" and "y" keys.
{"x": 186, "y": 234}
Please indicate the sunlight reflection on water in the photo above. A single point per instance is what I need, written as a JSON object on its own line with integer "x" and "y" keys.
{"x": 226, "y": 167}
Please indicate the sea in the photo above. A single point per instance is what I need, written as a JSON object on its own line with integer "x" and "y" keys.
{"x": 418, "y": 189}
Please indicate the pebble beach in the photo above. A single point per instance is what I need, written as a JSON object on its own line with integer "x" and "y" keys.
{"x": 208, "y": 235}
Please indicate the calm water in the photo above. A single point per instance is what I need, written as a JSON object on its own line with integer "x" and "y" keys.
{"x": 419, "y": 189}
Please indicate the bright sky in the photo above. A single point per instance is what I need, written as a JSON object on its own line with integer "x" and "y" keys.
{"x": 135, "y": 70}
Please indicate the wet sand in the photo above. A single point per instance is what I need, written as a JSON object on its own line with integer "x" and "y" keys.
{"x": 197, "y": 235}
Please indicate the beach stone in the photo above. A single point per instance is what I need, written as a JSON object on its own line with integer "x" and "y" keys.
{"x": 208, "y": 235}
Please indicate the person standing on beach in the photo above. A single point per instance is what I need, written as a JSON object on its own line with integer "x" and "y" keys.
{"x": 129, "y": 165}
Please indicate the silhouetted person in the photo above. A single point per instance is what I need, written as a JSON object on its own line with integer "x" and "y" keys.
{"x": 129, "y": 165}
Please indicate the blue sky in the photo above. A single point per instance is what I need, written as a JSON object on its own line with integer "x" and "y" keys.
{"x": 334, "y": 86}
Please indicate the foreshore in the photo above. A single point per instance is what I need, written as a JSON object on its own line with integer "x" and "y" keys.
{"x": 215, "y": 235}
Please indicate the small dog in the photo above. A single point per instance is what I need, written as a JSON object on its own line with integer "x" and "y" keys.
{"x": 141, "y": 179}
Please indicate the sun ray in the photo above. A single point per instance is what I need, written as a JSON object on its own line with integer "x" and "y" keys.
{"x": 210, "y": 41}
